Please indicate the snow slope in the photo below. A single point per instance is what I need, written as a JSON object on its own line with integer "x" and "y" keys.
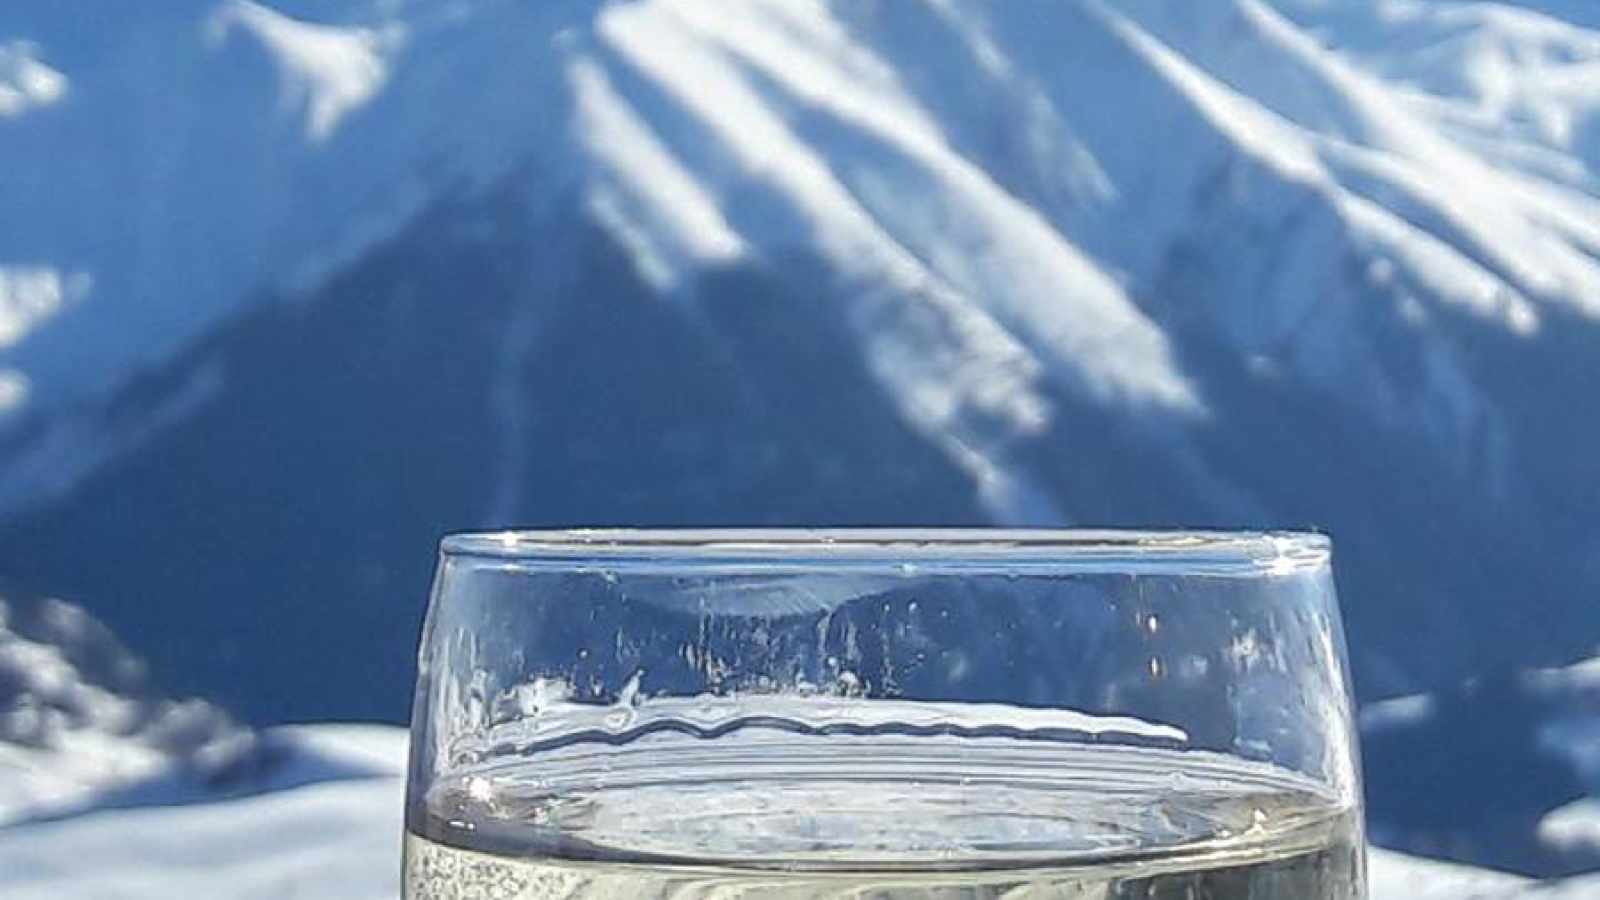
{"x": 336, "y": 839}
{"x": 80, "y": 728}
{"x": 108, "y": 791}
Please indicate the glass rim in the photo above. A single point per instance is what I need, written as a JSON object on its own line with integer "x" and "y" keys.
{"x": 822, "y": 548}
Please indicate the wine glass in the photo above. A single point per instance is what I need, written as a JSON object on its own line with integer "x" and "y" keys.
{"x": 883, "y": 714}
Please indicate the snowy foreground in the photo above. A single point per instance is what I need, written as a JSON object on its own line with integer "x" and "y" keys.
{"x": 338, "y": 838}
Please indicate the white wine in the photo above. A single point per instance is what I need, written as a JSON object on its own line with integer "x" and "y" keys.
{"x": 766, "y": 813}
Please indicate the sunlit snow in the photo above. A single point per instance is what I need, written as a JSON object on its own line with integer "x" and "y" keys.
{"x": 30, "y": 295}
{"x": 328, "y": 71}
{"x": 26, "y": 82}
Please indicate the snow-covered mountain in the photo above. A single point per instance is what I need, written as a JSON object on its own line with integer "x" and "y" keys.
{"x": 82, "y": 728}
{"x": 1140, "y": 262}
{"x": 106, "y": 789}
{"x": 287, "y": 290}
{"x": 76, "y": 718}
{"x": 1500, "y": 771}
